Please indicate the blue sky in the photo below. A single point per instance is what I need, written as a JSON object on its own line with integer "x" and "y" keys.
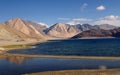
{"x": 65, "y": 11}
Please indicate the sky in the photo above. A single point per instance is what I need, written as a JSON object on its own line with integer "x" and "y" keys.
{"x": 72, "y": 12}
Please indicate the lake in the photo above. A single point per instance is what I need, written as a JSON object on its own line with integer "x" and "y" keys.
{"x": 76, "y": 47}
{"x": 16, "y": 65}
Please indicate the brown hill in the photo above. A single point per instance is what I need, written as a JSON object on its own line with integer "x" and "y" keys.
{"x": 7, "y": 33}
{"x": 38, "y": 26}
{"x": 22, "y": 26}
{"x": 61, "y": 31}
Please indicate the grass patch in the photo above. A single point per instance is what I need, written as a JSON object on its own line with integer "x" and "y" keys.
{"x": 15, "y": 46}
{"x": 12, "y": 47}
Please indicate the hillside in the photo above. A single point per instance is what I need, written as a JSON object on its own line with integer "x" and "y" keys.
{"x": 22, "y": 26}
{"x": 61, "y": 30}
{"x": 99, "y": 33}
{"x": 7, "y": 33}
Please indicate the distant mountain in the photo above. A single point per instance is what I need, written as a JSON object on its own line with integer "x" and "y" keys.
{"x": 61, "y": 30}
{"x": 43, "y": 24}
{"x": 66, "y": 30}
{"x": 116, "y": 32}
{"x": 106, "y": 26}
{"x": 93, "y": 33}
{"x": 85, "y": 27}
{"x": 40, "y": 27}
{"x": 22, "y": 26}
{"x": 99, "y": 33}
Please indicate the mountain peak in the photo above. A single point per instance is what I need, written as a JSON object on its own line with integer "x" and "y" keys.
{"x": 22, "y": 26}
{"x": 15, "y": 22}
{"x": 16, "y": 19}
{"x": 59, "y": 24}
{"x": 61, "y": 30}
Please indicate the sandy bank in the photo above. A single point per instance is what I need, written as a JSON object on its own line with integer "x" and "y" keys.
{"x": 65, "y": 57}
{"x": 11, "y": 45}
{"x": 80, "y": 72}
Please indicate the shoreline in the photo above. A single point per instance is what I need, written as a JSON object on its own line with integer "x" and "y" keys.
{"x": 97, "y": 38}
{"x": 64, "y": 57}
{"x": 18, "y": 45}
{"x": 5, "y": 44}
{"x": 79, "y": 72}
{"x": 4, "y": 51}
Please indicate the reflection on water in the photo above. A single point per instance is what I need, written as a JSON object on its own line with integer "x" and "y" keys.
{"x": 17, "y": 65}
{"x": 14, "y": 59}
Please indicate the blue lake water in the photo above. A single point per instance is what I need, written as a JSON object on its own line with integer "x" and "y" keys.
{"x": 77, "y": 47}
{"x": 16, "y": 65}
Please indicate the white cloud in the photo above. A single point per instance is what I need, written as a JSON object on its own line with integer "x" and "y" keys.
{"x": 73, "y": 23}
{"x": 112, "y": 20}
{"x": 63, "y": 18}
{"x": 83, "y": 7}
{"x": 79, "y": 21}
{"x": 43, "y": 24}
{"x": 82, "y": 19}
{"x": 111, "y": 17}
{"x": 101, "y": 7}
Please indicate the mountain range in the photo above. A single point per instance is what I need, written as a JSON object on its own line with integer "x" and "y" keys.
{"x": 93, "y": 33}
{"x": 61, "y": 30}
{"x": 20, "y": 30}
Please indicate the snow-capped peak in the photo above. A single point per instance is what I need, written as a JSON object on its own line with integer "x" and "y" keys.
{"x": 43, "y": 24}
